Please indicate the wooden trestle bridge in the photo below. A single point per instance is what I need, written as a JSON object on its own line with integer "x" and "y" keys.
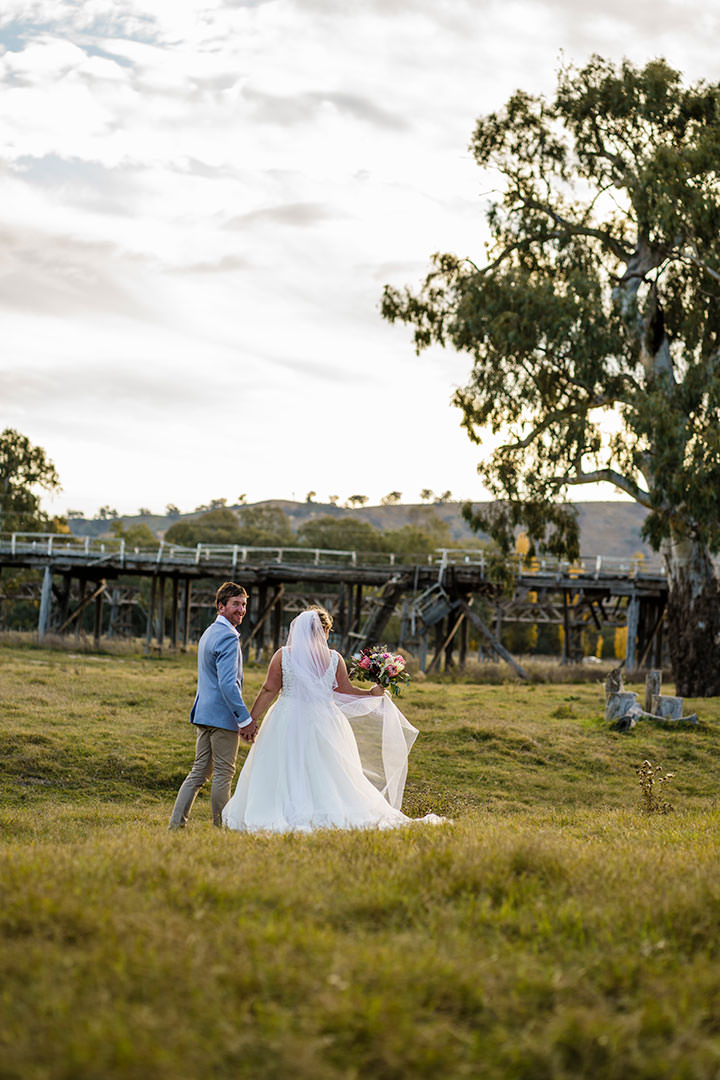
{"x": 437, "y": 602}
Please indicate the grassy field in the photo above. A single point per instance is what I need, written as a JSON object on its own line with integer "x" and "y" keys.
{"x": 553, "y": 930}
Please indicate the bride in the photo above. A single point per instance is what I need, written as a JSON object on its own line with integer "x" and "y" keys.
{"x": 328, "y": 755}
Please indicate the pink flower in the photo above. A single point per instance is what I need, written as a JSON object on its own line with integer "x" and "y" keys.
{"x": 365, "y": 663}
{"x": 391, "y": 670}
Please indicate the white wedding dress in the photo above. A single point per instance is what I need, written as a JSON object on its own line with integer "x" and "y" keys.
{"x": 323, "y": 759}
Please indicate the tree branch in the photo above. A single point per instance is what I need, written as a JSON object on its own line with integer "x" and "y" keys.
{"x": 609, "y": 476}
{"x": 697, "y": 261}
{"x": 578, "y": 230}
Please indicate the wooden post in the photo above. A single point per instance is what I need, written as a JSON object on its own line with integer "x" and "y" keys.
{"x": 259, "y": 624}
{"x": 404, "y": 621}
{"x": 446, "y": 644}
{"x": 463, "y": 643}
{"x": 161, "y": 613}
{"x": 357, "y": 613}
{"x": 45, "y": 602}
{"x": 150, "y": 615}
{"x": 187, "y": 612}
{"x": 452, "y": 626}
{"x": 437, "y": 644}
{"x": 657, "y": 645}
{"x": 65, "y": 593}
{"x": 565, "y": 658}
{"x": 495, "y": 644}
{"x": 341, "y": 628}
{"x": 174, "y": 615}
{"x": 97, "y": 623}
{"x": 633, "y": 614}
{"x": 422, "y": 649}
{"x": 114, "y": 607}
{"x": 653, "y": 682}
{"x": 82, "y": 583}
{"x": 277, "y": 618}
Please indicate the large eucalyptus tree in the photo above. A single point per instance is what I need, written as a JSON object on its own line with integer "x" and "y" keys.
{"x": 593, "y": 324}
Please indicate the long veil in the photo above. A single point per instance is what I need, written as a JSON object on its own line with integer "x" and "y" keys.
{"x": 309, "y": 657}
{"x": 384, "y": 739}
{"x": 383, "y": 735}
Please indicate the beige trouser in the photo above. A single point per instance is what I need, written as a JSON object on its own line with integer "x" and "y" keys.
{"x": 215, "y": 755}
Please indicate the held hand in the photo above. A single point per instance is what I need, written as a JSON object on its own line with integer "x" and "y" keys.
{"x": 249, "y": 732}
{"x": 377, "y": 691}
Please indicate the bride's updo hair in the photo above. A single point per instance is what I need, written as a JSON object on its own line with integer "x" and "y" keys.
{"x": 324, "y": 616}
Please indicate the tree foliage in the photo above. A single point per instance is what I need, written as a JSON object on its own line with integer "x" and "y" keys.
{"x": 136, "y": 535}
{"x": 25, "y": 470}
{"x": 251, "y": 526}
{"x": 340, "y": 534}
{"x": 593, "y": 326}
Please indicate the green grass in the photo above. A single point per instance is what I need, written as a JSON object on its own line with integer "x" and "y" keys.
{"x": 552, "y": 930}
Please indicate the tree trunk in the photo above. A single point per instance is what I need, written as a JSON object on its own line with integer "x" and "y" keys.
{"x": 693, "y": 615}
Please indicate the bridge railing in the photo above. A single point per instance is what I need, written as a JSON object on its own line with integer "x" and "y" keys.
{"x": 88, "y": 548}
{"x": 234, "y": 555}
{"x": 594, "y": 566}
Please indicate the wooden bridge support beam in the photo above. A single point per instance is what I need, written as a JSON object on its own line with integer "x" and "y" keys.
{"x": 150, "y": 614}
{"x": 277, "y": 617}
{"x": 45, "y": 603}
{"x": 82, "y": 589}
{"x": 85, "y": 600}
{"x": 261, "y": 617}
{"x": 187, "y": 612}
{"x": 97, "y": 621}
{"x": 114, "y": 611}
{"x": 174, "y": 614}
{"x": 463, "y": 641}
{"x": 494, "y": 642}
{"x": 565, "y": 657}
{"x": 633, "y": 618}
{"x": 161, "y": 612}
{"x": 64, "y": 594}
{"x": 423, "y": 648}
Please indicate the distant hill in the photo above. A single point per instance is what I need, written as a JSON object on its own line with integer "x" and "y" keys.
{"x": 606, "y": 528}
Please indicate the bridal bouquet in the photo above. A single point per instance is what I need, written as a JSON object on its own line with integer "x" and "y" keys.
{"x": 376, "y": 664}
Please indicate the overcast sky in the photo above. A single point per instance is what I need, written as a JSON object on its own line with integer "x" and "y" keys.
{"x": 200, "y": 205}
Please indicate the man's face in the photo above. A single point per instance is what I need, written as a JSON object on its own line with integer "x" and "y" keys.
{"x": 234, "y": 610}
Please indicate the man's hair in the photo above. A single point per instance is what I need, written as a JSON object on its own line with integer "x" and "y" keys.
{"x": 226, "y": 591}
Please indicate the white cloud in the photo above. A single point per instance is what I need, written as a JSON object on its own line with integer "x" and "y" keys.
{"x": 201, "y": 201}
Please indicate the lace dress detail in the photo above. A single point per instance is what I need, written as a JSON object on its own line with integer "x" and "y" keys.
{"x": 295, "y": 687}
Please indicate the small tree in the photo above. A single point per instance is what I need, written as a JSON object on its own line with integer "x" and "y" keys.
{"x": 357, "y": 500}
{"x": 392, "y": 498}
{"x": 594, "y": 325}
{"x": 137, "y": 535}
{"x": 24, "y": 470}
{"x": 427, "y": 495}
{"x": 340, "y": 533}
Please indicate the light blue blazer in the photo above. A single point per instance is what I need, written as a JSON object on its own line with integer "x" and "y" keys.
{"x": 219, "y": 702}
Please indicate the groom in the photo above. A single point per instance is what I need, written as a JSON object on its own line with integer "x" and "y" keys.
{"x": 219, "y": 712}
